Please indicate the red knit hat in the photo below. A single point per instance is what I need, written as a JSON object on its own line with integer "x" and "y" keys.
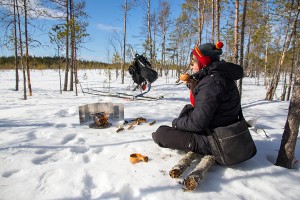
{"x": 207, "y": 53}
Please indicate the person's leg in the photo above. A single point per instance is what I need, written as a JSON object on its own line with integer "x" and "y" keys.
{"x": 172, "y": 138}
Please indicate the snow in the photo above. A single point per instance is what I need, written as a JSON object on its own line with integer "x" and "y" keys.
{"x": 46, "y": 154}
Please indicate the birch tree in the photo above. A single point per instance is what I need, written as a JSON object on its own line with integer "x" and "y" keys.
{"x": 163, "y": 23}
{"x": 16, "y": 46}
{"x": 286, "y": 154}
{"x": 293, "y": 17}
{"x": 242, "y": 44}
{"x": 26, "y": 47}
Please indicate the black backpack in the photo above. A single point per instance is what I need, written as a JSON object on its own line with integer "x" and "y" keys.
{"x": 141, "y": 70}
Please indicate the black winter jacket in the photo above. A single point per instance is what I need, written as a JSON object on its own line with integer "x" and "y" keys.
{"x": 217, "y": 100}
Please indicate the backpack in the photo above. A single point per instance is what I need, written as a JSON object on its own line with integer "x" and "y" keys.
{"x": 141, "y": 70}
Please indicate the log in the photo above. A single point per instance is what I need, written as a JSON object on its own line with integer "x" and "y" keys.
{"x": 183, "y": 163}
{"x": 192, "y": 181}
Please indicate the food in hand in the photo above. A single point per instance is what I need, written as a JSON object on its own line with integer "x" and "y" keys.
{"x": 184, "y": 77}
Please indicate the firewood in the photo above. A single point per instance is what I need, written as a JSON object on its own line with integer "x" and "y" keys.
{"x": 192, "y": 181}
{"x": 120, "y": 129}
{"x": 130, "y": 126}
{"x": 151, "y": 123}
{"x": 183, "y": 163}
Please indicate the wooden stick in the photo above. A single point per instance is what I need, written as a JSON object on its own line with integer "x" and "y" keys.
{"x": 151, "y": 123}
{"x": 192, "y": 181}
{"x": 183, "y": 163}
{"x": 120, "y": 129}
{"x": 130, "y": 126}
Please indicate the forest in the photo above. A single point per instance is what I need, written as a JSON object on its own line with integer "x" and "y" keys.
{"x": 261, "y": 36}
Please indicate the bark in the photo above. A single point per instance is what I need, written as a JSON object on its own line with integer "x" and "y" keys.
{"x": 267, "y": 46}
{"x": 199, "y": 22}
{"x": 72, "y": 27}
{"x": 292, "y": 71}
{"x": 213, "y": 21}
{"x": 284, "y": 86}
{"x": 289, "y": 138}
{"x": 183, "y": 163}
{"x": 75, "y": 69}
{"x": 218, "y": 19}
{"x": 236, "y": 30}
{"x": 192, "y": 181}
{"x": 59, "y": 73}
{"x": 67, "y": 47}
{"x": 21, "y": 51}
{"x": 26, "y": 46}
{"x": 149, "y": 31}
{"x": 16, "y": 47}
{"x": 124, "y": 42}
{"x": 242, "y": 45}
{"x": 246, "y": 64}
{"x": 201, "y": 6}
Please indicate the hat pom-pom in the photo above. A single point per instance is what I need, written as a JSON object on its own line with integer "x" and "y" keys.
{"x": 219, "y": 45}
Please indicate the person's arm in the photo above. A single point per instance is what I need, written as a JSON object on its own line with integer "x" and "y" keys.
{"x": 206, "y": 104}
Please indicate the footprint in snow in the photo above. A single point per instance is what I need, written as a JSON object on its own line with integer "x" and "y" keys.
{"x": 40, "y": 151}
{"x": 9, "y": 173}
{"x": 68, "y": 138}
{"x": 60, "y": 125}
{"x": 88, "y": 186}
{"x": 80, "y": 141}
{"x": 41, "y": 160}
{"x": 97, "y": 150}
{"x": 79, "y": 149}
{"x": 86, "y": 159}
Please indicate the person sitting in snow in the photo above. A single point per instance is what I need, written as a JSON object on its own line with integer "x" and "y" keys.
{"x": 215, "y": 102}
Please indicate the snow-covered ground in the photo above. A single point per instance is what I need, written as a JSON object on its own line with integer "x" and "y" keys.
{"x": 46, "y": 154}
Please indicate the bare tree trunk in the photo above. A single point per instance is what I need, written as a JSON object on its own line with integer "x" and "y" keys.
{"x": 124, "y": 43}
{"x": 75, "y": 69}
{"x": 67, "y": 47}
{"x": 242, "y": 45}
{"x": 163, "y": 51}
{"x": 59, "y": 73}
{"x": 267, "y": 46}
{"x": 16, "y": 47}
{"x": 284, "y": 86}
{"x": 246, "y": 64}
{"x": 72, "y": 24}
{"x": 266, "y": 64}
{"x": 199, "y": 22}
{"x": 289, "y": 138}
{"x": 149, "y": 30}
{"x": 213, "y": 21}
{"x": 292, "y": 71}
{"x": 21, "y": 51}
{"x": 26, "y": 46}
{"x": 201, "y": 6}
{"x": 154, "y": 41}
{"x": 236, "y": 32}
{"x": 218, "y": 19}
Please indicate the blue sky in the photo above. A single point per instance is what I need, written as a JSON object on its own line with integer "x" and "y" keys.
{"x": 104, "y": 17}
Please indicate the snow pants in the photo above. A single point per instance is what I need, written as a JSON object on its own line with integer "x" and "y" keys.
{"x": 169, "y": 137}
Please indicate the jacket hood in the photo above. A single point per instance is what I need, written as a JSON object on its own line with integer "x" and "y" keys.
{"x": 227, "y": 69}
